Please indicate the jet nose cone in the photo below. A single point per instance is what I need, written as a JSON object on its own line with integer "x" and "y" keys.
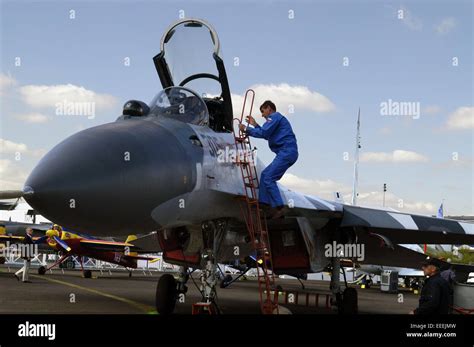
{"x": 109, "y": 178}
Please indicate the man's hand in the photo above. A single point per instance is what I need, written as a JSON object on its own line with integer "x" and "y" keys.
{"x": 242, "y": 127}
{"x": 251, "y": 120}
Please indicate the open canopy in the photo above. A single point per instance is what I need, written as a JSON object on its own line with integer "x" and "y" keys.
{"x": 190, "y": 57}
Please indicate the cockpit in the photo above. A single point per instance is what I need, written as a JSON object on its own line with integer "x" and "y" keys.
{"x": 181, "y": 104}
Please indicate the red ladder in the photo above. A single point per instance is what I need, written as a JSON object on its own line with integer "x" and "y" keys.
{"x": 255, "y": 218}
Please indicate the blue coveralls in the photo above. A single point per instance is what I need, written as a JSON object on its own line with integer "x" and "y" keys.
{"x": 282, "y": 141}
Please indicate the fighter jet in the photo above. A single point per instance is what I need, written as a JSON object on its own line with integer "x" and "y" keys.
{"x": 160, "y": 169}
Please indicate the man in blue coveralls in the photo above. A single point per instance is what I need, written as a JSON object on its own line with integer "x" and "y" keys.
{"x": 282, "y": 141}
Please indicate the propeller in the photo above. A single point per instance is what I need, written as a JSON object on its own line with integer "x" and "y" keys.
{"x": 63, "y": 244}
{"x": 42, "y": 239}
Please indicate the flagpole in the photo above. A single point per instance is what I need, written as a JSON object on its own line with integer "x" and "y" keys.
{"x": 356, "y": 163}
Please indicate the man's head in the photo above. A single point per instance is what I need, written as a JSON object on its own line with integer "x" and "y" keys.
{"x": 430, "y": 266}
{"x": 267, "y": 108}
{"x": 29, "y": 231}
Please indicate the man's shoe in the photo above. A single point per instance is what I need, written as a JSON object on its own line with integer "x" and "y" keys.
{"x": 27, "y": 282}
{"x": 17, "y": 278}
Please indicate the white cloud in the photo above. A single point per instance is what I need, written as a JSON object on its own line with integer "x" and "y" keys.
{"x": 446, "y": 25}
{"x": 11, "y": 176}
{"x": 285, "y": 96}
{"x": 462, "y": 118}
{"x": 410, "y": 21}
{"x": 6, "y": 82}
{"x": 375, "y": 199}
{"x": 420, "y": 206}
{"x": 49, "y": 96}
{"x": 461, "y": 162}
{"x": 33, "y": 117}
{"x": 325, "y": 189}
{"x": 397, "y": 156}
{"x": 321, "y": 188}
{"x": 10, "y": 147}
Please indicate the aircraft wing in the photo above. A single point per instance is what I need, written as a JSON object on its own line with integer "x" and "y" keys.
{"x": 397, "y": 228}
{"x": 18, "y": 228}
{"x": 405, "y": 272}
{"x": 15, "y": 239}
{"x": 147, "y": 243}
{"x": 11, "y": 238}
{"x": 383, "y": 231}
{"x": 112, "y": 246}
{"x": 139, "y": 257}
{"x": 400, "y": 256}
{"x": 390, "y": 226}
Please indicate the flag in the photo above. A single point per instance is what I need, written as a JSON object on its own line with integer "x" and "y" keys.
{"x": 440, "y": 211}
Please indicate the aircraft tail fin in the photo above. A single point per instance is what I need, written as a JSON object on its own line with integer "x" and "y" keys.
{"x": 130, "y": 239}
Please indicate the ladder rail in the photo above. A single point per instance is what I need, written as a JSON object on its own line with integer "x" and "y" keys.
{"x": 253, "y": 216}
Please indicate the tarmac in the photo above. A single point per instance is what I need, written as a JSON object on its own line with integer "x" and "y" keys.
{"x": 117, "y": 293}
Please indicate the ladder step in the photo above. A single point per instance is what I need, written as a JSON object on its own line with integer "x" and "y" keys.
{"x": 255, "y": 221}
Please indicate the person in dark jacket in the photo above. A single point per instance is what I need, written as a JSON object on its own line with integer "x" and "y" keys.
{"x": 447, "y": 272}
{"x": 435, "y": 293}
{"x": 26, "y": 255}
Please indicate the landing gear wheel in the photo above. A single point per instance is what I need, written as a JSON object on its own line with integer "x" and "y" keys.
{"x": 166, "y": 294}
{"x": 87, "y": 274}
{"x": 41, "y": 270}
{"x": 225, "y": 282}
{"x": 349, "y": 301}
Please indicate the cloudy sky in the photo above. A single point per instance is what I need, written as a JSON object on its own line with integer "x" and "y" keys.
{"x": 318, "y": 61}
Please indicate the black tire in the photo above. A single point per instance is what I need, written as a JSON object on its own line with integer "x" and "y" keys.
{"x": 2, "y": 260}
{"x": 349, "y": 301}
{"x": 87, "y": 274}
{"x": 166, "y": 294}
{"x": 41, "y": 270}
{"x": 225, "y": 282}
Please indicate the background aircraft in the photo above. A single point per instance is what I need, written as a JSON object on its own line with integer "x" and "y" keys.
{"x": 71, "y": 244}
{"x": 18, "y": 215}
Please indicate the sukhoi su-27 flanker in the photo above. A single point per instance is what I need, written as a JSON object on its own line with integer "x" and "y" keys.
{"x": 156, "y": 171}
